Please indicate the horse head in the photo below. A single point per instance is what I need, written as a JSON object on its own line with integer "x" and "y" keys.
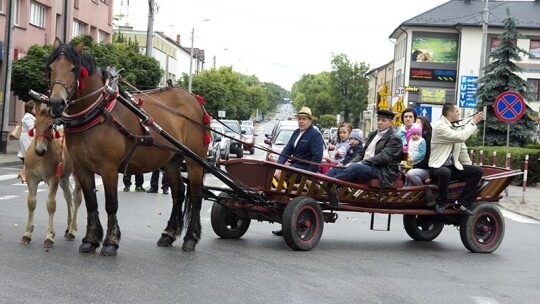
{"x": 44, "y": 130}
{"x": 67, "y": 69}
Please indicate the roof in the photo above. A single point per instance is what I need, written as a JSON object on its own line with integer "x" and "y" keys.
{"x": 467, "y": 13}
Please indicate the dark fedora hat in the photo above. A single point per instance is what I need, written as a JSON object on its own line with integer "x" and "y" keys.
{"x": 385, "y": 114}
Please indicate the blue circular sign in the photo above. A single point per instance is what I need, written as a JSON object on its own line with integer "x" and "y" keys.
{"x": 509, "y": 106}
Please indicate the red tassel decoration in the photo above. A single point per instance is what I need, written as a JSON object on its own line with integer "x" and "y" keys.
{"x": 207, "y": 139}
{"x": 200, "y": 99}
{"x": 59, "y": 169}
{"x": 31, "y": 132}
{"x": 82, "y": 77}
{"x": 206, "y": 118}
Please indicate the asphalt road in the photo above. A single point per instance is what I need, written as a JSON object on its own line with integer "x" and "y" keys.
{"x": 351, "y": 264}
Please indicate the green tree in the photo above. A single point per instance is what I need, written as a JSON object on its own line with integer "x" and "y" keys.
{"x": 139, "y": 70}
{"x": 350, "y": 87}
{"x": 315, "y": 92}
{"x": 328, "y": 121}
{"x": 501, "y": 75}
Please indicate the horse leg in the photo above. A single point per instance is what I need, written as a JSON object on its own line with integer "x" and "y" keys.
{"x": 68, "y": 197}
{"x": 94, "y": 230}
{"x": 175, "y": 223}
{"x": 194, "y": 199}
{"x": 51, "y": 209}
{"x": 31, "y": 204}
{"x": 77, "y": 200}
{"x": 112, "y": 238}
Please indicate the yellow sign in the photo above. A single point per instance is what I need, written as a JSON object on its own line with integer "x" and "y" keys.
{"x": 433, "y": 95}
{"x": 384, "y": 90}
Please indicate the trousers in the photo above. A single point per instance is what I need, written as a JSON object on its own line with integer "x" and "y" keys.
{"x": 470, "y": 174}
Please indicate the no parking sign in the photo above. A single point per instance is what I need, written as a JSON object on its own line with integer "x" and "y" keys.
{"x": 509, "y": 106}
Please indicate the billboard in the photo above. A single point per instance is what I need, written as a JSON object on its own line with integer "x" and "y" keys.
{"x": 436, "y": 50}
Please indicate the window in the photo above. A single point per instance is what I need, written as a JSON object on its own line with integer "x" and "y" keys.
{"x": 77, "y": 28}
{"x": 2, "y": 6}
{"x": 534, "y": 90}
{"x": 17, "y": 13}
{"x": 534, "y": 49}
{"x": 102, "y": 37}
{"x": 37, "y": 15}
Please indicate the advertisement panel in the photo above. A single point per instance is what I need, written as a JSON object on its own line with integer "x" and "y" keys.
{"x": 436, "y": 50}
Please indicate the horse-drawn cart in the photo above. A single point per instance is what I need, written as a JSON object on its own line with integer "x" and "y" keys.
{"x": 303, "y": 205}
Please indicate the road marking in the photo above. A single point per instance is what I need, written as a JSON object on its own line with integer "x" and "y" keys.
{"x": 484, "y": 300}
{"x": 7, "y": 197}
{"x": 7, "y": 176}
{"x": 518, "y": 218}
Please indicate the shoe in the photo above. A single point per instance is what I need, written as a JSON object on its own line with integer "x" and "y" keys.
{"x": 140, "y": 189}
{"x": 166, "y": 191}
{"x": 126, "y": 189}
{"x": 461, "y": 208}
{"x": 439, "y": 208}
{"x": 152, "y": 190}
{"x": 278, "y": 232}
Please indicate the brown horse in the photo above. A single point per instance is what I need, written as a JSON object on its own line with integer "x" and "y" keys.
{"x": 105, "y": 137}
{"x": 51, "y": 164}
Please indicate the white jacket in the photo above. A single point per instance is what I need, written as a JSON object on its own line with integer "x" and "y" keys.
{"x": 446, "y": 139}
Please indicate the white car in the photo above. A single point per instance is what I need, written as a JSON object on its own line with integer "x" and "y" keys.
{"x": 224, "y": 143}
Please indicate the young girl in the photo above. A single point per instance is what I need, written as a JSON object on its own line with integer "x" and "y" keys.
{"x": 355, "y": 148}
{"x": 27, "y": 121}
{"x": 344, "y": 132}
{"x": 417, "y": 146}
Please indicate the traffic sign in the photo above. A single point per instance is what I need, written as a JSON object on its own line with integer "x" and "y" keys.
{"x": 423, "y": 111}
{"x": 509, "y": 106}
{"x": 400, "y": 91}
{"x": 467, "y": 91}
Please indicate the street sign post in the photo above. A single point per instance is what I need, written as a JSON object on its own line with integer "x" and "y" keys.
{"x": 400, "y": 91}
{"x": 509, "y": 107}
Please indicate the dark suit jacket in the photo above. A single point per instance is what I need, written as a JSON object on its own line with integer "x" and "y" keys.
{"x": 388, "y": 154}
{"x": 309, "y": 147}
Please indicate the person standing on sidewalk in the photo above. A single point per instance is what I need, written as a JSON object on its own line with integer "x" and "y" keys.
{"x": 154, "y": 182}
{"x": 449, "y": 160}
{"x": 27, "y": 123}
{"x": 139, "y": 181}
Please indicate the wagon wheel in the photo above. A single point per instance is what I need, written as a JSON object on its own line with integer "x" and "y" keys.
{"x": 423, "y": 228}
{"x": 302, "y": 223}
{"x": 226, "y": 224}
{"x": 483, "y": 231}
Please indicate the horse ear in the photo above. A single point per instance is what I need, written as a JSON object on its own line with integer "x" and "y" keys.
{"x": 56, "y": 43}
{"x": 80, "y": 47}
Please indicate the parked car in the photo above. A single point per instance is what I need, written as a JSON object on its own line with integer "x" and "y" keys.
{"x": 288, "y": 123}
{"x": 224, "y": 143}
{"x": 213, "y": 155}
{"x": 248, "y": 123}
{"x": 333, "y": 136}
{"x": 326, "y": 134}
{"x": 233, "y": 130}
{"x": 249, "y": 138}
{"x": 278, "y": 142}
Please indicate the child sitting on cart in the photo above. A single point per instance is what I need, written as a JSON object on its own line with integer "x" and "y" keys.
{"x": 355, "y": 148}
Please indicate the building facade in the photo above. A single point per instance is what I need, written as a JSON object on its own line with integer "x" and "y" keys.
{"x": 438, "y": 55}
{"x": 42, "y": 21}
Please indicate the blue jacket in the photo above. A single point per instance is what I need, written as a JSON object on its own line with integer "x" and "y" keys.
{"x": 309, "y": 147}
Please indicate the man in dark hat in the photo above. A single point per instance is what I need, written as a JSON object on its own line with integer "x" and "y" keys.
{"x": 381, "y": 156}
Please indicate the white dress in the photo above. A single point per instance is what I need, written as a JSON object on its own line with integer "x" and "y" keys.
{"x": 27, "y": 122}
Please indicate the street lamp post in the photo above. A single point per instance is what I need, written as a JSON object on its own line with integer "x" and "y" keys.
{"x": 191, "y": 59}
{"x": 191, "y": 56}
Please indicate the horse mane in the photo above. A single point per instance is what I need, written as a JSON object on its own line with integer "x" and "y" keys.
{"x": 85, "y": 59}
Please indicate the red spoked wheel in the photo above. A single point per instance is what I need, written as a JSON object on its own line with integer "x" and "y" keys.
{"x": 302, "y": 223}
{"x": 483, "y": 231}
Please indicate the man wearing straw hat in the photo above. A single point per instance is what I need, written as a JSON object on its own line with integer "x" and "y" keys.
{"x": 306, "y": 143}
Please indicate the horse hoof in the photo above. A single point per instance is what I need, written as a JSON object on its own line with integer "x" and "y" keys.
{"x": 189, "y": 246}
{"x": 165, "y": 241}
{"x": 69, "y": 237}
{"x": 48, "y": 244}
{"x": 108, "y": 251}
{"x": 25, "y": 240}
{"x": 87, "y": 248}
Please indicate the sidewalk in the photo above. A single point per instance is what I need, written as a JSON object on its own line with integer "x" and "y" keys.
{"x": 512, "y": 202}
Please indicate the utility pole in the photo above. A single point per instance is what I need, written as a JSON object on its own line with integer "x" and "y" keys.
{"x": 6, "y": 76}
{"x": 485, "y": 21}
{"x": 150, "y": 32}
{"x": 191, "y": 59}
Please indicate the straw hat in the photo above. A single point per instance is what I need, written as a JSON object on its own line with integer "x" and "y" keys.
{"x": 306, "y": 112}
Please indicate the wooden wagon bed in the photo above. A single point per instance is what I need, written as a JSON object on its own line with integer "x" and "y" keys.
{"x": 302, "y": 201}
